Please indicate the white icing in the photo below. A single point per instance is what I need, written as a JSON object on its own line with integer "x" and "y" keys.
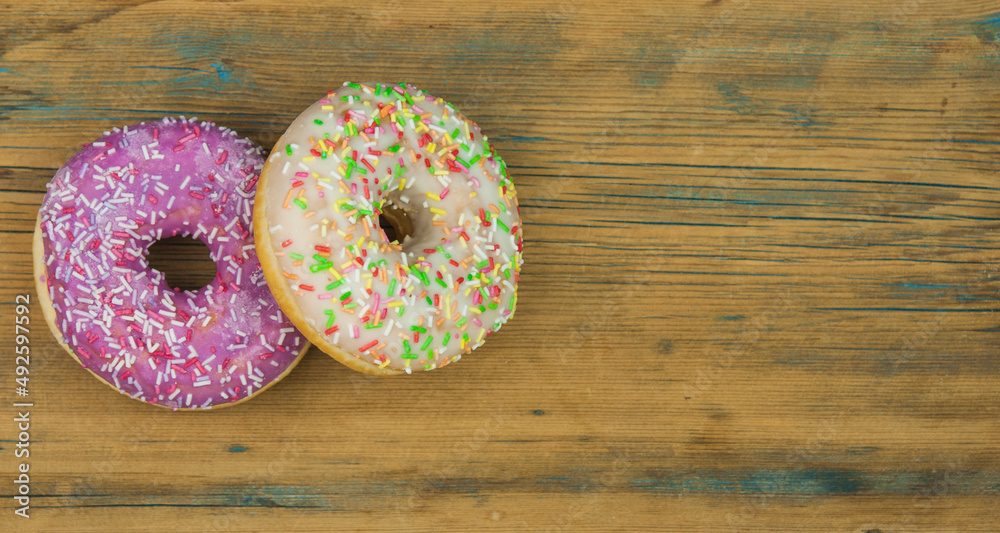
{"x": 337, "y": 212}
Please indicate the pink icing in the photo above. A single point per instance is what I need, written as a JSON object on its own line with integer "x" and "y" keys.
{"x": 105, "y": 207}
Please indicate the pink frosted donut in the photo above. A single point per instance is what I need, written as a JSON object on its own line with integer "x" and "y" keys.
{"x": 115, "y": 315}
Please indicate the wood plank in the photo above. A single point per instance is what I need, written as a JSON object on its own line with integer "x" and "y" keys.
{"x": 760, "y": 289}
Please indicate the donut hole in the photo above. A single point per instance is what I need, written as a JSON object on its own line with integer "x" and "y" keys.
{"x": 395, "y": 223}
{"x": 185, "y": 263}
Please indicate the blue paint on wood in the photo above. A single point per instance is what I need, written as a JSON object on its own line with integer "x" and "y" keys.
{"x": 745, "y": 167}
{"x": 521, "y": 138}
{"x": 971, "y": 141}
{"x": 804, "y": 482}
{"x": 857, "y": 450}
{"x": 905, "y": 309}
{"x": 988, "y": 29}
{"x": 802, "y": 116}
{"x": 992, "y": 22}
{"x": 223, "y": 72}
{"x": 505, "y": 48}
{"x": 918, "y": 286}
{"x": 741, "y": 104}
{"x": 799, "y": 114}
{"x": 652, "y": 63}
{"x": 670, "y": 223}
{"x": 160, "y": 67}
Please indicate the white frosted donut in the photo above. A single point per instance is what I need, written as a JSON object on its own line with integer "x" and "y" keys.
{"x": 376, "y": 305}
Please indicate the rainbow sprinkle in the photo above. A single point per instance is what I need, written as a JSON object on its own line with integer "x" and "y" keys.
{"x": 396, "y": 305}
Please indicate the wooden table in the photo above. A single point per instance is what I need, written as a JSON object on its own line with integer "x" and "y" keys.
{"x": 759, "y": 293}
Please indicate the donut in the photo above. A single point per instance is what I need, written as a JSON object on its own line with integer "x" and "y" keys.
{"x": 117, "y": 317}
{"x": 379, "y": 304}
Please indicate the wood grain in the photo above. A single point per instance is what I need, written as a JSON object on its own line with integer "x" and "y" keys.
{"x": 760, "y": 284}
